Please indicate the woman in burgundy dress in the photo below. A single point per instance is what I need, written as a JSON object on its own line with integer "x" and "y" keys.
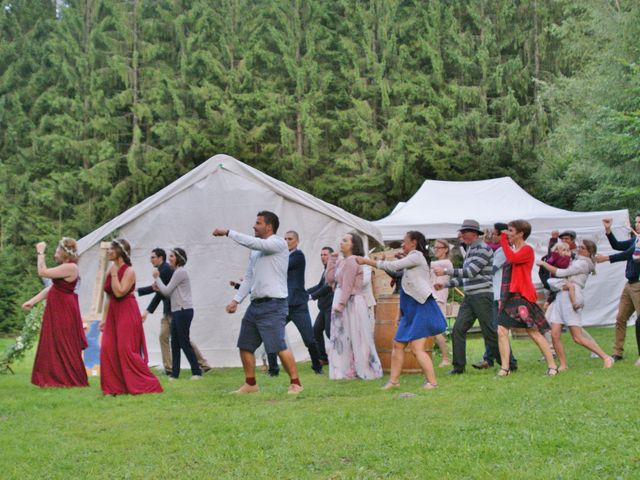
{"x": 58, "y": 360}
{"x": 123, "y": 353}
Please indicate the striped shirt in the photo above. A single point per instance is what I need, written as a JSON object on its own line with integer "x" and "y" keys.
{"x": 476, "y": 272}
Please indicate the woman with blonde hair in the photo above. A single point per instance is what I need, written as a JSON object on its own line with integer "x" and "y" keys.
{"x": 123, "y": 352}
{"x": 442, "y": 251}
{"x": 58, "y": 361}
{"x": 567, "y": 311}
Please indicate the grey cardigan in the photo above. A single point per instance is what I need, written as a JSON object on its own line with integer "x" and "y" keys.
{"x": 416, "y": 280}
{"x": 178, "y": 289}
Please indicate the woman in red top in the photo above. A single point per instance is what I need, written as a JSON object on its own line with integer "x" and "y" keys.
{"x": 123, "y": 352}
{"x": 58, "y": 360}
{"x": 518, "y": 308}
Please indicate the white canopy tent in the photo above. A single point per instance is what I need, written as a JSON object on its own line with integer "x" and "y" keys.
{"x": 222, "y": 192}
{"x": 438, "y": 208}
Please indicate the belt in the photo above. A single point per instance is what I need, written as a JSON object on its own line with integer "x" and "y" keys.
{"x": 631, "y": 282}
{"x": 262, "y": 300}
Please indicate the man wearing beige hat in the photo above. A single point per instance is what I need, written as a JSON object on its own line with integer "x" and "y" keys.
{"x": 476, "y": 277}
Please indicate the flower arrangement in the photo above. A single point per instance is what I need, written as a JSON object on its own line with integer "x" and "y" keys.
{"x": 25, "y": 341}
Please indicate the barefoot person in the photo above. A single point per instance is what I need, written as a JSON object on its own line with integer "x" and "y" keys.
{"x": 566, "y": 309}
{"x": 518, "y": 308}
{"x": 58, "y": 361}
{"x": 123, "y": 352}
{"x": 420, "y": 315}
{"x": 179, "y": 292}
{"x": 266, "y": 282}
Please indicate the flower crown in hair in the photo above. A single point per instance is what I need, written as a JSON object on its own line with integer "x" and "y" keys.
{"x": 122, "y": 249}
{"x": 184, "y": 260}
{"x": 65, "y": 248}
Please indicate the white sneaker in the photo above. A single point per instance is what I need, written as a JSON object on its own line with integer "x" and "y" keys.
{"x": 196, "y": 377}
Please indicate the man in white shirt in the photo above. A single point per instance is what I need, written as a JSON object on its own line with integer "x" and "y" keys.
{"x": 266, "y": 282}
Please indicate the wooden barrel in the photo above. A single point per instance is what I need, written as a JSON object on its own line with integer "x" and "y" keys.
{"x": 381, "y": 282}
{"x": 387, "y": 315}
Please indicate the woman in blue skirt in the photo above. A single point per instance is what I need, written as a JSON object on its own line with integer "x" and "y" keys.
{"x": 420, "y": 316}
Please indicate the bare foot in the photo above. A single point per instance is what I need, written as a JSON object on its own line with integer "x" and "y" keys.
{"x": 444, "y": 363}
{"x": 563, "y": 368}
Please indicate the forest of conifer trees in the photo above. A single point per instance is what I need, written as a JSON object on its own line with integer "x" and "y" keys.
{"x": 104, "y": 102}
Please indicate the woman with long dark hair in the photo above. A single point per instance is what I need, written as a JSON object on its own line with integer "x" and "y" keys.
{"x": 420, "y": 316}
{"x": 123, "y": 352}
{"x": 352, "y": 352}
{"x": 179, "y": 291}
{"x": 58, "y": 360}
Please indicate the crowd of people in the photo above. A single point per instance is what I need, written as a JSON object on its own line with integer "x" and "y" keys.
{"x": 495, "y": 274}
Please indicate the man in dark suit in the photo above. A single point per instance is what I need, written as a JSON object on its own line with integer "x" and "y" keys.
{"x": 323, "y": 293}
{"x": 298, "y": 308}
{"x": 158, "y": 260}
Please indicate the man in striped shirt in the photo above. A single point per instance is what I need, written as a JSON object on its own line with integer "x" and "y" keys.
{"x": 475, "y": 275}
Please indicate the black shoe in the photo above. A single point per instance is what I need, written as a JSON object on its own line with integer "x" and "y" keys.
{"x": 167, "y": 373}
{"x": 456, "y": 371}
{"x": 205, "y": 369}
{"x": 513, "y": 368}
{"x": 616, "y": 358}
{"x": 318, "y": 371}
{"x": 483, "y": 365}
{"x": 273, "y": 373}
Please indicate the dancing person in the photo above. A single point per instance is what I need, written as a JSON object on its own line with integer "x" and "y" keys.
{"x": 323, "y": 294}
{"x": 58, "y": 361}
{"x": 566, "y": 309}
{"x": 298, "y": 299}
{"x": 630, "y": 296}
{"x": 420, "y": 316}
{"x": 179, "y": 292}
{"x": 353, "y": 352}
{"x": 158, "y": 260}
{"x": 442, "y": 251}
{"x": 475, "y": 275}
{"x": 518, "y": 307}
{"x": 266, "y": 282}
{"x": 496, "y": 283}
{"x": 123, "y": 352}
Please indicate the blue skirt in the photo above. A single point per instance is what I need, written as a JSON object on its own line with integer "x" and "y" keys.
{"x": 419, "y": 320}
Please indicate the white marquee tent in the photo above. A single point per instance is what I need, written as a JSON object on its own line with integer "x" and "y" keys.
{"x": 438, "y": 208}
{"x": 222, "y": 192}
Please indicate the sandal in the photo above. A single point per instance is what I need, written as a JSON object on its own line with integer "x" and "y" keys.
{"x": 551, "y": 372}
{"x": 389, "y": 385}
{"x": 503, "y": 372}
{"x": 429, "y": 386}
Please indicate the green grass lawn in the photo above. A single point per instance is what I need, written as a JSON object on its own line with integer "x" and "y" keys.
{"x": 582, "y": 424}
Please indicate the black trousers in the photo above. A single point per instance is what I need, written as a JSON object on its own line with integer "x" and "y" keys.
{"x": 299, "y": 315}
{"x": 180, "y": 326}
{"x": 321, "y": 327}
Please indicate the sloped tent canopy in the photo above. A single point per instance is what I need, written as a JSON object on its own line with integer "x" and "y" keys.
{"x": 438, "y": 208}
{"x": 222, "y": 192}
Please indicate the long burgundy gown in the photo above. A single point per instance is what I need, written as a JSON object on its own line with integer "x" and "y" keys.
{"x": 123, "y": 353}
{"x": 58, "y": 360}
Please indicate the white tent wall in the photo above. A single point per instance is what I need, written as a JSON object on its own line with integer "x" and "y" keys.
{"x": 438, "y": 208}
{"x": 225, "y": 197}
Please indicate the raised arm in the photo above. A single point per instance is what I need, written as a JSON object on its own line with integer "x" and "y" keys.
{"x": 270, "y": 245}
{"x": 179, "y": 276}
{"x": 522, "y": 256}
{"x": 121, "y": 287}
{"x": 349, "y": 273}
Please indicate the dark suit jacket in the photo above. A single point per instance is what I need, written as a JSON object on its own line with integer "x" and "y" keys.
{"x": 323, "y": 293}
{"x": 166, "y": 272}
{"x": 295, "y": 278}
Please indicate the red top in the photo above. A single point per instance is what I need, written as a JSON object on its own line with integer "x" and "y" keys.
{"x": 521, "y": 266}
